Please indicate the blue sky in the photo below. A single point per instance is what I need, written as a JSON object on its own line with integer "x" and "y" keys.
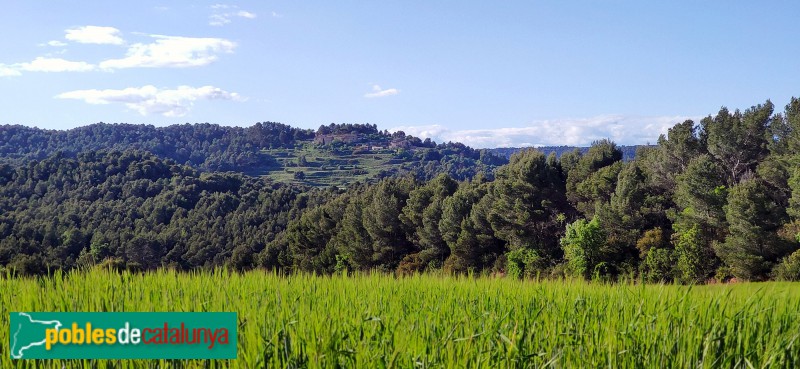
{"x": 487, "y": 74}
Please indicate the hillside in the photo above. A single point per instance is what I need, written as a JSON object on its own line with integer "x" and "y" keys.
{"x": 334, "y": 155}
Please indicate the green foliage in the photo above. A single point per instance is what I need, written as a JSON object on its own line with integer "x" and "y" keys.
{"x": 593, "y": 177}
{"x": 738, "y": 141}
{"x": 701, "y": 194}
{"x": 526, "y": 198}
{"x": 794, "y": 202}
{"x": 60, "y": 213}
{"x": 582, "y": 244}
{"x": 262, "y": 149}
{"x": 788, "y": 269}
{"x": 752, "y": 245}
{"x": 651, "y": 239}
{"x": 204, "y": 146}
{"x": 659, "y": 265}
{"x": 521, "y": 263}
{"x": 696, "y": 260}
{"x": 674, "y": 153}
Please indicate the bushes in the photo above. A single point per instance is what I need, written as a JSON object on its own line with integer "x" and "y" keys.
{"x": 789, "y": 268}
{"x": 522, "y": 263}
{"x": 582, "y": 246}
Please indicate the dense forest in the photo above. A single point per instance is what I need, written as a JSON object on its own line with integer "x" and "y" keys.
{"x": 713, "y": 200}
{"x": 273, "y": 149}
{"x": 204, "y": 146}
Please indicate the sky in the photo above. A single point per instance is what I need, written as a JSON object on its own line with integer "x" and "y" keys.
{"x": 488, "y": 74}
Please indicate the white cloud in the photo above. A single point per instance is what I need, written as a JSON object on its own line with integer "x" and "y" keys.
{"x": 56, "y": 43}
{"x": 224, "y": 14}
{"x": 276, "y": 14}
{"x": 378, "y": 92}
{"x": 42, "y": 64}
{"x": 172, "y": 52}
{"x": 148, "y": 100}
{"x": 45, "y": 64}
{"x": 218, "y": 20}
{"x": 625, "y": 130}
{"x": 8, "y": 71}
{"x": 94, "y": 35}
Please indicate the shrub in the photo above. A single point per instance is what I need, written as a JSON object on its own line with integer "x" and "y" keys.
{"x": 789, "y": 268}
{"x": 522, "y": 263}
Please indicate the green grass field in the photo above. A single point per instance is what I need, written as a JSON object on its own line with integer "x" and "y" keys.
{"x": 379, "y": 321}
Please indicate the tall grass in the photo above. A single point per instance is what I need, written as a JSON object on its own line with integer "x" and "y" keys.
{"x": 377, "y": 321}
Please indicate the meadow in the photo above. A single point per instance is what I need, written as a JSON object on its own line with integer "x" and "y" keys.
{"x": 428, "y": 321}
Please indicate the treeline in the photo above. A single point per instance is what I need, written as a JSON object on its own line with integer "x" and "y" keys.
{"x": 134, "y": 210}
{"x": 628, "y": 151}
{"x": 455, "y": 160}
{"x": 206, "y": 146}
{"x": 714, "y": 200}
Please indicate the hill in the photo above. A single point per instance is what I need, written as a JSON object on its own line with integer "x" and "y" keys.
{"x": 334, "y": 155}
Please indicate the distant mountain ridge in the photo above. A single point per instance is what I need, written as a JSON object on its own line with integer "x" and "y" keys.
{"x": 628, "y": 151}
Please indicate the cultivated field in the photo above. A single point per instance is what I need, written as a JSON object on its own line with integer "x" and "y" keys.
{"x": 431, "y": 321}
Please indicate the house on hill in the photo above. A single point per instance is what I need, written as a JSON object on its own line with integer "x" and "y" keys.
{"x": 322, "y": 139}
{"x": 399, "y": 143}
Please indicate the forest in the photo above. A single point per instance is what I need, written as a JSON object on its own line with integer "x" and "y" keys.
{"x": 714, "y": 200}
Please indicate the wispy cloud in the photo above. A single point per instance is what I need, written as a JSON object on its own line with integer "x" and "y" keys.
{"x": 276, "y": 14}
{"x": 224, "y": 14}
{"x": 54, "y": 43}
{"x": 171, "y": 52}
{"x": 574, "y": 132}
{"x": 45, "y": 64}
{"x": 94, "y": 35}
{"x": 148, "y": 99}
{"x": 8, "y": 71}
{"x": 377, "y": 91}
{"x": 42, "y": 64}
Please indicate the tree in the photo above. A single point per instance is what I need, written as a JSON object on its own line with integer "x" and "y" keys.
{"x": 594, "y": 176}
{"x": 527, "y": 197}
{"x": 738, "y": 141}
{"x": 382, "y": 223}
{"x": 752, "y": 246}
{"x": 700, "y": 197}
{"x": 788, "y": 269}
{"x": 696, "y": 260}
{"x": 674, "y": 152}
{"x": 308, "y": 241}
{"x": 422, "y": 214}
{"x": 582, "y": 244}
{"x": 353, "y": 241}
{"x": 701, "y": 194}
